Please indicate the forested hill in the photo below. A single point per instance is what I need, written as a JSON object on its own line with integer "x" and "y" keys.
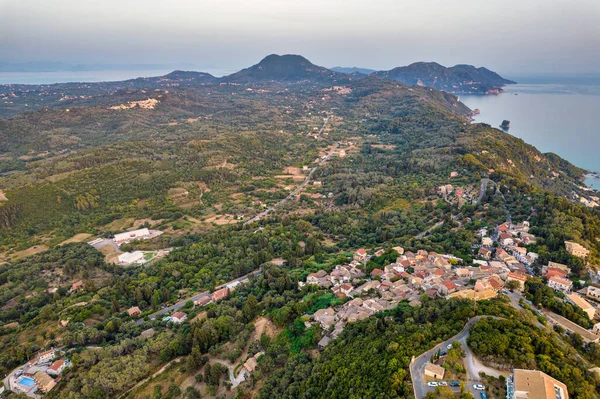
{"x": 456, "y": 79}
{"x": 287, "y": 67}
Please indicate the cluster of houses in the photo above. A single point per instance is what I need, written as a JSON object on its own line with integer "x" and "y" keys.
{"x": 37, "y": 376}
{"x": 407, "y": 279}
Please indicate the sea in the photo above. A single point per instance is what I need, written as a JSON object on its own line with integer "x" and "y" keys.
{"x": 40, "y": 78}
{"x": 555, "y": 115}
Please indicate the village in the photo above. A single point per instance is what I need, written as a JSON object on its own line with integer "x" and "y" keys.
{"x": 502, "y": 265}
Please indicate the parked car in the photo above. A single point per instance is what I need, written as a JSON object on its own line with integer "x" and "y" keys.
{"x": 443, "y": 353}
{"x": 432, "y": 384}
{"x": 483, "y": 395}
{"x": 454, "y": 383}
{"x": 443, "y": 383}
{"x": 505, "y": 292}
{"x": 449, "y": 346}
{"x": 479, "y": 387}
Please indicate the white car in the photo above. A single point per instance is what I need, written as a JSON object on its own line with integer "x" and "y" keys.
{"x": 449, "y": 346}
{"x": 432, "y": 384}
{"x": 479, "y": 387}
{"x": 443, "y": 384}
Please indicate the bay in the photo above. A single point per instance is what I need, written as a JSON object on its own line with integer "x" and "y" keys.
{"x": 562, "y": 118}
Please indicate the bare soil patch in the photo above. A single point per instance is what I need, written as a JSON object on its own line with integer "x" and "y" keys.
{"x": 3, "y": 196}
{"x": 81, "y": 237}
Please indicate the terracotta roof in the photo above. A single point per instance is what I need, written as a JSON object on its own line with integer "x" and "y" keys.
{"x": 178, "y": 315}
{"x": 361, "y": 251}
{"x": 449, "y": 284}
{"x": 56, "y": 365}
{"x": 517, "y": 276}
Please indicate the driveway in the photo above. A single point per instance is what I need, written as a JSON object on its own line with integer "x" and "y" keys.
{"x": 472, "y": 364}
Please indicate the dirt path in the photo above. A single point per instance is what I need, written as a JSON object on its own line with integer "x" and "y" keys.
{"x": 160, "y": 371}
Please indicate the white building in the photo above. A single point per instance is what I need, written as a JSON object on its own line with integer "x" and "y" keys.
{"x": 140, "y": 234}
{"x": 560, "y": 284}
{"x": 46, "y": 356}
{"x": 128, "y": 258}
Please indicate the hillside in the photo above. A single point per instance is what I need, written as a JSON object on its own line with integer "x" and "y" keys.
{"x": 256, "y": 182}
{"x": 456, "y": 79}
{"x": 285, "y": 68}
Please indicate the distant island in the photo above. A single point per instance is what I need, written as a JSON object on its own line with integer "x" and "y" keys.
{"x": 459, "y": 79}
{"x": 351, "y": 70}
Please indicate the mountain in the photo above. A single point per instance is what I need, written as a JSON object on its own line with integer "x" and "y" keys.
{"x": 287, "y": 67}
{"x": 457, "y": 79}
{"x": 351, "y": 70}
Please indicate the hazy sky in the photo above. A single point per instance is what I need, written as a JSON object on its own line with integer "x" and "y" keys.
{"x": 509, "y": 36}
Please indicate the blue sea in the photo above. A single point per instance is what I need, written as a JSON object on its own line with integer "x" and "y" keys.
{"x": 39, "y": 78}
{"x": 560, "y": 116}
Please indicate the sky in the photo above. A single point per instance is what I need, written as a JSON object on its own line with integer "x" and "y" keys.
{"x": 514, "y": 37}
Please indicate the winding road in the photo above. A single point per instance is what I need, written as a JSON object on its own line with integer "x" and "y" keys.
{"x": 302, "y": 185}
{"x": 472, "y": 364}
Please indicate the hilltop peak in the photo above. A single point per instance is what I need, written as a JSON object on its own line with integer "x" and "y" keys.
{"x": 289, "y": 67}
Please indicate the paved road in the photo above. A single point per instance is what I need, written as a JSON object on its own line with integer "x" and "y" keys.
{"x": 235, "y": 381}
{"x": 484, "y": 183}
{"x": 180, "y": 304}
{"x": 424, "y": 233}
{"x": 298, "y": 189}
{"x": 472, "y": 364}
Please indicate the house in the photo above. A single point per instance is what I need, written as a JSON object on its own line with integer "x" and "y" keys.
{"x": 46, "y": 356}
{"x": 596, "y": 328}
{"x": 314, "y": 278}
{"x": 474, "y": 295}
{"x": 528, "y": 239}
{"x": 573, "y": 328}
{"x": 533, "y": 384}
{"x": 44, "y": 381}
{"x": 324, "y": 342}
{"x": 57, "y": 367}
{"x": 220, "y": 294}
{"x": 519, "y": 278}
{"x": 445, "y": 189}
{"x": 506, "y": 239}
{"x": 204, "y": 301}
{"x": 251, "y": 364}
{"x": 560, "y": 284}
{"x": 485, "y": 253}
{"x": 379, "y": 253}
{"x": 346, "y": 288}
{"x": 463, "y": 272}
{"x": 78, "y": 285}
{"x": 140, "y": 234}
{"x": 134, "y": 311}
{"x": 178, "y": 317}
{"x": 399, "y": 250}
{"x": 593, "y": 292}
{"x": 434, "y": 371}
{"x": 583, "y": 304}
{"x": 129, "y": 258}
{"x": 360, "y": 256}
{"x": 560, "y": 266}
{"x": 376, "y": 272}
{"x": 147, "y": 333}
{"x": 486, "y": 241}
{"x": 454, "y": 174}
{"x": 447, "y": 287}
{"x": 576, "y": 249}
